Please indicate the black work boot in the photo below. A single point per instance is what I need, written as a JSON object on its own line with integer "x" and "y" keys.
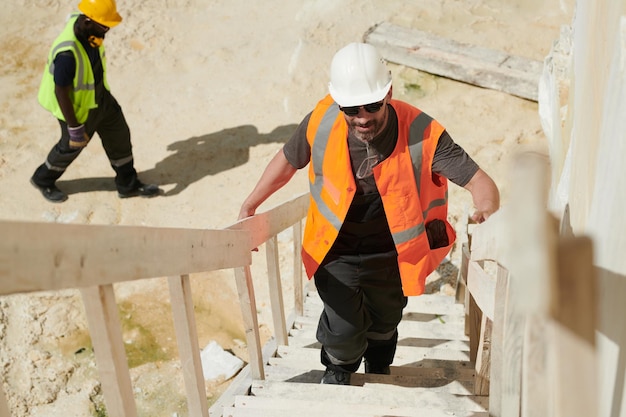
{"x": 50, "y": 192}
{"x": 372, "y": 368}
{"x": 379, "y": 355}
{"x": 138, "y": 188}
{"x": 335, "y": 377}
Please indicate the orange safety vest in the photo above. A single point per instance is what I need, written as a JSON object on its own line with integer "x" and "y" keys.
{"x": 411, "y": 193}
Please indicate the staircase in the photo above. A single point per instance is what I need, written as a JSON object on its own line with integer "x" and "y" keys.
{"x": 431, "y": 376}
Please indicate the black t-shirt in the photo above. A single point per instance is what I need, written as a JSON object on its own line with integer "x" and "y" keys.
{"x": 450, "y": 160}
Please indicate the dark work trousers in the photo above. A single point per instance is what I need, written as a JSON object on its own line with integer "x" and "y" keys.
{"x": 359, "y": 283}
{"x": 108, "y": 121}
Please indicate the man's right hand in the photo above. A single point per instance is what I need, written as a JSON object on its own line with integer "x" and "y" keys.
{"x": 78, "y": 137}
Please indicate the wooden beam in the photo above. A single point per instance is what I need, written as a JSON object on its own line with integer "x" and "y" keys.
{"x": 471, "y": 64}
{"x": 496, "y": 373}
{"x": 483, "y": 358}
{"x": 276, "y": 291}
{"x": 106, "y": 336}
{"x": 270, "y": 223}
{"x": 188, "y": 349}
{"x": 298, "y": 286}
{"x": 577, "y": 304}
{"x": 482, "y": 286}
{"x": 247, "y": 302}
{"x": 53, "y": 256}
{"x": 573, "y": 331}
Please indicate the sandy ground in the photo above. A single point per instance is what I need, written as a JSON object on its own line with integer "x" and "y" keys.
{"x": 211, "y": 90}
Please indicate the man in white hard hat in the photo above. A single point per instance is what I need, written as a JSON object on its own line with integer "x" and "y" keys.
{"x": 377, "y": 222}
{"x": 75, "y": 90}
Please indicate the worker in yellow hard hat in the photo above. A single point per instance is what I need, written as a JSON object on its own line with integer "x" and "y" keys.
{"x": 74, "y": 88}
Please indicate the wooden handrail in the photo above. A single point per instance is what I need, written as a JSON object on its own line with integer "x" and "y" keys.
{"x": 54, "y": 256}
{"x": 50, "y": 256}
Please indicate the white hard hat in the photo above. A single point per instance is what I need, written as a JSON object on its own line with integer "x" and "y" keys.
{"x": 358, "y": 76}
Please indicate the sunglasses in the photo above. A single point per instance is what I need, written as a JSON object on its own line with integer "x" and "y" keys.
{"x": 370, "y": 108}
{"x": 103, "y": 28}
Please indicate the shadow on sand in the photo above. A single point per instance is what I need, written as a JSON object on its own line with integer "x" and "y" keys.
{"x": 192, "y": 159}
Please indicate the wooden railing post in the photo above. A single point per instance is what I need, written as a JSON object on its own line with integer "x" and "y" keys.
{"x": 276, "y": 290}
{"x": 496, "y": 373}
{"x": 106, "y": 336}
{"x": 298, "y": 290}
{"x": 188, "y": 349}
{"x": 245, "y": 289}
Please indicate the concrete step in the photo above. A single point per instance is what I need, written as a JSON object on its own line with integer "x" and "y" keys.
{"x": 453, "y": 354}
{"x": 453, "y": 330}
{"x": 457, "y": 383}
{"x": 251, "y": 406}
{"x": 424, "y": 399}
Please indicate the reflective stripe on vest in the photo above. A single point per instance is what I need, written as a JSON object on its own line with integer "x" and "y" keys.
{"x": 317, "y": 158}
{"x": 80, "y": 82}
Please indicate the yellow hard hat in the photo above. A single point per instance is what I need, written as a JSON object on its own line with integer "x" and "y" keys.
{"x": 101, "y": 11}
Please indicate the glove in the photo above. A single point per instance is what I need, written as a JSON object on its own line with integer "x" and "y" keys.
{"x": 437, "y": 234}
{"x": 78, "y": 137}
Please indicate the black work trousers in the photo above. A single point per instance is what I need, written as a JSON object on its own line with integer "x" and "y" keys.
{"x": 109, "y": 122}
{"x": 359, "y": 283}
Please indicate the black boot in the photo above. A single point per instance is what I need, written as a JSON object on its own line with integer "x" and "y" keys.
{"x": 337, "y": 374}
{"x": 336, "y": 377}
{"x": 138, "y": 188}
{"x": 379, "y": 355}
{"x": 128, "y": 185}
{"x": 377, "y": 368}
{"x": 43, "y": 179}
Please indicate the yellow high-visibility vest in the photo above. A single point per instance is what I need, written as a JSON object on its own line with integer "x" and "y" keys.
{"x": 84, "y": 94}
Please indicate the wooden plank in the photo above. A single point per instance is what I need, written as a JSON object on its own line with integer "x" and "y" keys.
{"x": 536, "y": 393}
{"x": 572, "y": 334}
{"x": 270, "y": 223}
{"x": 475, "y": 318}
{"x": 409, "y": 330}
{"x": 512, "y": 347}
{"x": 276, "y": 291}
{"x": 576, "y": 306}
{"x": 530, "y": 248}
{"x": 423, "y": 398}
{"x": 75, "y": 256}
{"x": 413, "y": 318}
{"x": 439, "y": 380}
{"x": 425, "y": 303}
{"x": 318, "y": 408}
{"x": 433, "y": 304}
{"x": 488, "y": 238}
{"x": 496, "y": 373}
{"x": 568, "y": 348}
{"x": 482, "y": 286}
{"x": 298, "y": 296}
{"x": 483, "y": 358}
{"x": 247, "y": 302}
{"x": 409, "y": 357}
{"x": 461, "y": 280}
{"x": 188, "y": 349}
{"x": 471, "y": 64}
{"x": 462, "y": 237}
{"x": 106, "y": 335}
